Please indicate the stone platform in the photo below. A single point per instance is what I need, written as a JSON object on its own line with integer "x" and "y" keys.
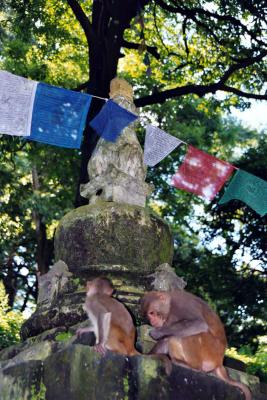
{"x": 57, "y": 367}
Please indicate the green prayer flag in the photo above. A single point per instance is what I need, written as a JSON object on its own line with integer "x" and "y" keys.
{"x": 248, "y": 188}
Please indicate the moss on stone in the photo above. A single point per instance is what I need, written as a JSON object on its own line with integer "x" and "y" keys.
{"x": 38, "y": 393}
{"x": 104, "y": 208}
{"x": 126, "y": 387}
{"x": 149, "y": 370}
{"x": 20, "y": 380}
{"x": 113, "y": 234}
{"x": 63, "y": 336}
{"x": 77, "y": 281}
{"x": 76, "y": 372}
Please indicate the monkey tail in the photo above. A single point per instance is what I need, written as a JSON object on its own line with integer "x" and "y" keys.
{"x": 222, "y": 373}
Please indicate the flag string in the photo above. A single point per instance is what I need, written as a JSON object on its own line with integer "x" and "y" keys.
{"x": 98, "y": 97}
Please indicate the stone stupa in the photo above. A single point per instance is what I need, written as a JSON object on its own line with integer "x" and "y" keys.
{"x": 116, "y": 235}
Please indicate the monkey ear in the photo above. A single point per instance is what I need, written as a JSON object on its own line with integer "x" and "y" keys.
{"x": 88, "y": 286}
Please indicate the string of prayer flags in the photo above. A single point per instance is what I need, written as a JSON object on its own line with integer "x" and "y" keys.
{"x": 42, "y": 112}
{"x": 158, "y": 144}
{"x": 111, "y": 120}
{"x": 59, "y": 116}
{"x": 248, "y": 188}
{"x": 16, "y": 104}
{"x": 201, "y": 173}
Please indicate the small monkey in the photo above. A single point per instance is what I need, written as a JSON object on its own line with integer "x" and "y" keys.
{"x": 188, "y": 331}
{"x": 112, "y": 323}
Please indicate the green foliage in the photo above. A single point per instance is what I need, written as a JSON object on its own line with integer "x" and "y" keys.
{"x": 256, "y": 362}
{"x": 194, "y": 43}
{"x": 197, "y": 43}
{"x": 57, "y": 171}
{"x": 10, "y": 321}
{"x": 258, "y": 365}
{"x": 42, "y": 41}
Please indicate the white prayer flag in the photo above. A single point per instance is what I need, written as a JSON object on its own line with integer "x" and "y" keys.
{"x": 17, "y": 96}
{"x": 158, "y": 144}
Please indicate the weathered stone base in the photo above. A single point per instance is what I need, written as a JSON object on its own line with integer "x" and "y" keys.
{"x": 76, "y": 372}
{"x": 113, "y": 234}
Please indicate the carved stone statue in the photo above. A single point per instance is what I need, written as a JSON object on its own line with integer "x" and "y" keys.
{"x": 53, "y": 282}
{"x": 165, "y": 278}
{"x": 116, "y": 170}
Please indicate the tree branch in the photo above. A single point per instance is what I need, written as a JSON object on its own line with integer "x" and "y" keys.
{"x": 157, "y": 29}
{"x": 197, "y": 11}
{"x": 242, "y": 64}
{"x": 199, "y": 90}
{"x": 151, "y": 49}
{"x": 167, "y": 7}
{"x": 184, "y": 36}
{"x": 82, "y": 86}
{"x": 241, "y": 93}
{"x": 82, "y": 18}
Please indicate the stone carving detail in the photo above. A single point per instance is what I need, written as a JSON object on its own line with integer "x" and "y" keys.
{"x": 165, "y": 278}
{"x": 53, "y": 282}
{"x": 116, "y": 170}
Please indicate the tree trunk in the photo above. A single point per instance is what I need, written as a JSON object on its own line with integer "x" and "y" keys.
{"x": 44, "y": 249}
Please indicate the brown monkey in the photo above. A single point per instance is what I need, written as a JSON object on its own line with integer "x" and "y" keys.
{"x": 189, "y": 331}
{"x": 112, "y": 323}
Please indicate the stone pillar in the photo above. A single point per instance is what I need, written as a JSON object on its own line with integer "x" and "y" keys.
{"x": 116, "y": 235}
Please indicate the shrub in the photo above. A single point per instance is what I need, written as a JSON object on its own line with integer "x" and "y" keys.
{"x": 10, "y": 321}
{"x": 257, "y": 362}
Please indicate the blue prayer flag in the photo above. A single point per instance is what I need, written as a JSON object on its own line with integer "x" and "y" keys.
{"x": 111, "y": 120}
{"x": 59, "y": 116}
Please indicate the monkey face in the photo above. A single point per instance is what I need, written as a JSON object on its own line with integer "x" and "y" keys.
{"x": 155, "y": 319}
{"x": 155, "y": 307}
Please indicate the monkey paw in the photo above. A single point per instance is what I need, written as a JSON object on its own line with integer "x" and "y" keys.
{"x": 100, "y": 348}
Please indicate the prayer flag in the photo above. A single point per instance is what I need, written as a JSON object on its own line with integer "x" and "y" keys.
{"x": 158, "y": 144}
{"x": 42, "y": 112}
{"x": 59, "y": 116}
{"x": 111, "y": 120}
{"x": 201, "y": 173}
{"x": 248, "y": 188}
{"x": 16, "y": 104}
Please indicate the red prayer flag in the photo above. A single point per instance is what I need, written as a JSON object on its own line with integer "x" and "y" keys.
{"x": 202, "y": 174}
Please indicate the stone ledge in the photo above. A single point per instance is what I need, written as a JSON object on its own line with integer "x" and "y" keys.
{"x": 75, "y": 372}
